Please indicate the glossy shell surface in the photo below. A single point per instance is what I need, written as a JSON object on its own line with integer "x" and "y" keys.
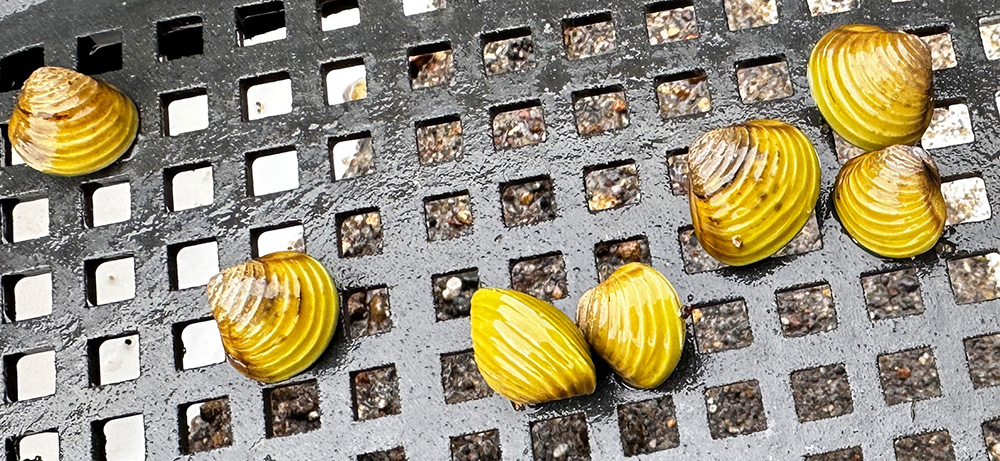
{"x": 277, "y": 314}
{"x": 633, "y": 321}
{"x": 752, "y": 188}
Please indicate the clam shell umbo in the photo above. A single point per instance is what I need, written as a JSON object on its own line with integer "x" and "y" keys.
{"x": 752, "y": 188}
{"x": 527, "y": 350}
{"x": 873, "y": 86}
{"x": 68, "y": 124}
{"x": 633, "y": 321}
{"x": 890, "y": 201}
{"x": 277, "y": 314}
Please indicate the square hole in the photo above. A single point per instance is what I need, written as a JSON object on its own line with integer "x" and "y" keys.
{"x": 345, "y": 80}
{"x": 564, "y": 437}
{"x": 510, "y": 50}
{"x": 677, "y": 167}
{"x": 587, "y": 36}
{"x": 192, "y": 264}
{"x": 43, "y": 445}
{"x": 114, "y": 359}
{"x": 735, "y": 409}
{"x": 460, "y": 378}
{"x": 430, "y": 65}
{"x": 542, "y": 276}
{"x": 892, "y": 294}
{"x": 983, "y": 355}
{"x": 16, "y": 67}
{"x": 205, "y": 425}
{"x": 120, "y": 439}
{"x": 938, "y": 39}
{"x": 528, "y": 201}
{"x": 27, "y": 295}
{"x": 845, "y": 454}
{"x": 648, "y": 426}
{"x": 989, "y": 32}
{"x": 600, "y": 110}
{"x": 613, "y": 254}
{"x": 375, "y": 393}
{"x": 179, "y": 37}
{"x": 368, "y": 311}
{"x": 273, "y": 170}
{"x": 412, "y": 7}
{"x": 671, "y": 21}
{"x": 448, "y": 216}
{"x": 683, "y": 94}
{"x": 184, "y": 111}
{"x": 197, "y": 344}
{"x": 266, "y": 96}
{"x": 764, "y": 79}
{"x": 338, "y": 14}
{"x": 746, "y": 14}
{"x": 966, "y": 200}
{"x": 99, "y": 53}
{"x": 991, "y": 435}
{"x": 440, "y": 140}
{"x": 395, "y": 454}
{"x": 518, "y": 125}
{"x": 360, "y": 233}
{"x": 292, "y": 409}
{"x": 804, "y": 311}
{"x": 950, "y": 125}
{"x": 822, "y": 392}
{"x": 30, "y": 375}
{"x": 107, "y": 202}
{"x": 481, "y": 446}
{"x": 976, "y": 278}
{"x": 110, "y": 280}
{"x": 281, "y": 237}
{"x": 453, "y": 293}
{"x": 821, "y": 7}
{"x": 260, "y": 23}
{"x": 189, "y": 186}
{"x": 722, "y": 327}
{"x": 909, "y": 376}
{"x": 611, "y": 186}
{"x": 25, "y": 218}
{"x": 931, "y": 446}
{"x": 696, "y": 259}
{"x": 352, "y": 155}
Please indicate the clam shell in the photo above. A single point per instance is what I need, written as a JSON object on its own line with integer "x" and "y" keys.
{"x": 527, "y": 350}
{"x": 873, "y": 86}
{"x": 633, "y": 321}
{"x": 890, "y": 201}
{"x": 69, "y": 124}
{"x": 277, "y": 314}
{"x": 752, "y": 188}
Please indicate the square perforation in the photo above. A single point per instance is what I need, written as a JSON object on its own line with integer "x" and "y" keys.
{"x": 439, "y": 140}
{"x": 909, "y": 376}
{"x": 30, "y": 375}
{"x": 266, "y": 96}
{"x": 480, "y": 446}
{"x": 600, "y": 109}
{"x": 611, "y": 186}
{"x": 41, "y": 445}
{"x": 461, "y": 379}
{"x": 844, "y": 454}
{"x": 338, "y": 14}
{"x": 184, "y": 111}
{"x": 822, "y": 392}
{"x": 120, "y": 439}
{"x": 528, "y": 201}
{"x": 966, "y": 200}
{"x": 930, "y": 446}
{"x": 25, "y": 217}
{"x": 542, "y": 276}
{"x": 682, "y": 94}
{"x": 16, "y": 67}
{"x": 197, "y": 343}
{"x": 114, "y": 359}
{"x": 764, "y": 79}
{"x": 735, "y": 409}
{"x": 272, "y": 171}
{"x": 110, "y": 279}
{"x": 648, "y": 426}
{"x": 193, "y": 263}
{"x": 518, "y": 124}
{"x": 27, "y": 295}
{"x": 345, "y": 80}
{"x": 292, "y": 409}
{"x": 205, "y": 425}
{"x": 509, "y": 50}
{"x": 99, "y": 53}
{"x": 983, "y": 355}
{"x": 563, "y": 437}
{"x": 722, "y": 326}
{"x": 352, "y": 155}
{"x": 430, "y": 65}
{"x": 375, "y": 393}
{"x": 360, "y": 233}
{"x": 805, "y": 311}
{"x": 179, "y": 37}
{"x": 260, "y": 23}
{"x": 188, "y": 186}
{"x": 395, "y": 454}
{"x": 671, "y": 21}
{"x": 892, "y": 294}
{"x": 951, "y": 125}
{"x": 288, "y": 236}
{"x": 587, "y": 36}
{"x": 448, "y": 216}
{"x": 107, "y": 202}
{"x": 613, "y": 254}
{"x": 975, "y": 279}
{"x": 453, "y": 293}
{"x": 368, "y": 311}
{"x": 746, "y": 14}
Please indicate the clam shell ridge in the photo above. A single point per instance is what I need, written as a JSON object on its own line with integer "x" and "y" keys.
{"x": 873, "y": 86}
{"x": 752, "y": 188}
{"x": 277, "y": 314}
{"x": 68, "y": 124}
{"x": 633, "y": 321}
{"x": 890, "y": 201}
{"x": 527, "y": 350}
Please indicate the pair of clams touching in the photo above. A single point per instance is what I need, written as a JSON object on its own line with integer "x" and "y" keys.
{"x": 752, "y": 188}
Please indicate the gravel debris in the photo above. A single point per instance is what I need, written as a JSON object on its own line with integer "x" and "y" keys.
{"x": 212, "y": 428}
{"x": 806, "y": 311}
{"x": 368, "y": 312}
{"x": 612, "y": 187}
{"x": 671, "y": 25}
{"x": 892, "y": 294}
{"x": 375, "y": 393}
{"x": 448, "y": 217}
{"x": 294, "y": 409}
{"x": 461, "y": 379}
{"x": 821, "y": 393}
{"x": 481, "y": 446}
{"x": 983, "y": 354}
{"x": 909, "y": 376}
{"x": 361, "y": 234}
{"x": 722, "y": 327}
{"x": 684, "y": 94}
{"x": 735, "y": 409}
{"x": 453, "y": 293}
{"x": 528, "y": 201}
{"x": 440, "y": 143}
{"x": 564, "y": 438}
{"x": 543, "y": 277}
{"x": 509, "y": 55}
{"x": 648, "y": 426}
{"x": 932, "y": 446}
{"x": 586, "y": 40}
{"x": 612, "y": 255}
{"x": 601, "y": 112}
{"x": 519, "y": 127}
{"x": 764, "y": 82}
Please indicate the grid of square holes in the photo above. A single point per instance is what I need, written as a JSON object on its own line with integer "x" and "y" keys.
{"x": 554, "y": 146}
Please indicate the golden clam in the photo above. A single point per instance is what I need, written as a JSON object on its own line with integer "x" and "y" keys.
{"x": 633, "y": 321}
{"x": 277, "y": 314}
{"x": 69, "y": 124}
{"x": 873, "y": 86}
{"x": 527, "y": 350}
{"x": 890, "y": 201}
{"x": 752, "y": 188}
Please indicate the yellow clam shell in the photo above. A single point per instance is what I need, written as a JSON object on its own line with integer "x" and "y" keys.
{"x": 873, "y": 86}
{"x": 69, "y": 124}
{"x": 527, "y": 350}
{"x": 277, "y": 314}
{"x": 890, "y": 201}
{"x": 633, "y": 321}
{"x": 752, "y": 188}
